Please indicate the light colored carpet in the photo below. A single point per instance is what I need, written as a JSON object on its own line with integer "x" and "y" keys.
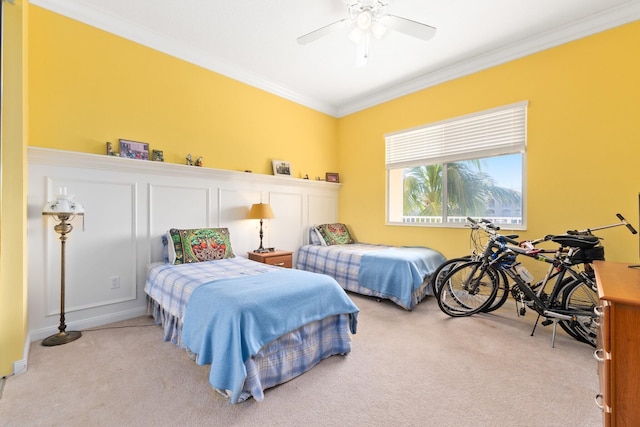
{"x": 419, "y": 368}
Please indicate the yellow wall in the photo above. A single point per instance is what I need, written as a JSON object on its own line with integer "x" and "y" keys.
{"x": 89, "y": 87}
{"x": 13, "y": 215}
{"x": 583, "y": 142}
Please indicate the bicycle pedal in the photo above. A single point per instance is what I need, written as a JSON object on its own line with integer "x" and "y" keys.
{"x": 547, "y": 322}
{"x": 523, "y": 311}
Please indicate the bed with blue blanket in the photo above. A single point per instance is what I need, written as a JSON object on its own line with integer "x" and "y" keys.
{"x": 399, "y": 274}
{"x": 256, "y": 325}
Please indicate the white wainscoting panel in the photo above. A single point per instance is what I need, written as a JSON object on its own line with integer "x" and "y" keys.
{"x": 193, "y": 203}
{"x": 112, "y": 224}
{"x": 288, "y": 210}
{"x": 235, "y": 204}
{"x": 129, "y": 205}
{"x": 320, "y": 206}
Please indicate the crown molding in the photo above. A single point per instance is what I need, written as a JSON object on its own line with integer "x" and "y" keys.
{"x": 614, "y": 17}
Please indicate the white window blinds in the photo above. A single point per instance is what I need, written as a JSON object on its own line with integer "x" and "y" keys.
{"x": 501, "y": 130}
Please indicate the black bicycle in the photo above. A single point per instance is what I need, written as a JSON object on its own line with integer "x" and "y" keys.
{"x": 471, "y": 287}
{"x": 480, "y": 233}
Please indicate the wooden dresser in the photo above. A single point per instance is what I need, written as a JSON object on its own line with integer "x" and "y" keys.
{"x": 618, "y": 349}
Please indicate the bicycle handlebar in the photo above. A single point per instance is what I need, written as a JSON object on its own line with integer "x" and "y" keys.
{"x": 488, "y": 226}
{"x": 483, "y": 223}
{"x": 589, "y": 231}
{"x": 510, "y": 240}
{"x": 629, "y": 226}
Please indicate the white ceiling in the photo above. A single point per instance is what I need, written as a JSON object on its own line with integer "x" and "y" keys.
{"x": 254, "y": 41}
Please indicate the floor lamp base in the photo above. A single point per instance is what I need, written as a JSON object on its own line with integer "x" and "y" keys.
{"x": 61, "y": 338}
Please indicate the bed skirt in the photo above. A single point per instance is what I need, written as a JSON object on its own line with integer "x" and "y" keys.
{"x": 279, "y": 361}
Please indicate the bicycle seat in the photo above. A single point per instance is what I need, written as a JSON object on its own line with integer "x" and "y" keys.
{"x": 576, "y": 241}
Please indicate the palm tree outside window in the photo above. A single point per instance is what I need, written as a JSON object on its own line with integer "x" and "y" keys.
{"x": 439, "y": 174}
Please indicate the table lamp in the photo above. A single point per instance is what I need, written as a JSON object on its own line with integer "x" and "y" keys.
{"x": 260, "y": 211}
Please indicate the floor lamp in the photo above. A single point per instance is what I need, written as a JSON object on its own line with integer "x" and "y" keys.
{"x": 260, "y": 211}
{"x": 63, "y": 209}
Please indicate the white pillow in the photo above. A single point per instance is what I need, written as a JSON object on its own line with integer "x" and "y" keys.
{"x": 168, "y": 250}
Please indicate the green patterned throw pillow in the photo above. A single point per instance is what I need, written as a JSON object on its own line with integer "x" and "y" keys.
{"x": 201, "y": 244}
{"x": 335, "y": 234}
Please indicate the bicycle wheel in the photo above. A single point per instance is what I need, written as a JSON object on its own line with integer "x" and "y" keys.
{"x": 468, "y": 289}
{"x": 443, "y": 269}
{"x": 566, "y": 325}
{"x": 501, "y": 295}
{"x": 580, "y": 299}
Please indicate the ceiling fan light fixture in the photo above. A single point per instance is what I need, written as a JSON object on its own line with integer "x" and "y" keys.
{"x": 364, "y": 20}
{"x": 356, "y": 35}
{"x": 378, "y": 29}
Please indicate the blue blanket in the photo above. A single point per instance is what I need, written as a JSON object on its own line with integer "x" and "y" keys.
{"x": 398, "y": 271}
{"x": 228, "y": 320}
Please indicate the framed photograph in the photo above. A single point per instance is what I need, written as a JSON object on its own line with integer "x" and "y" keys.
{"x": 134, "y": 149}
{"x": 158, "y": 155}
{"x": 280, "y": 167}
{"x": 333, "y": 177}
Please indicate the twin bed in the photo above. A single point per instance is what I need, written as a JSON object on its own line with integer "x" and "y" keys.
{"x": 400, "y": 274}
{"x": 258, "y": 325}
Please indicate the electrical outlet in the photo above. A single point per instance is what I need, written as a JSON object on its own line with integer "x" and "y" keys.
{"x": 115, "y": 282}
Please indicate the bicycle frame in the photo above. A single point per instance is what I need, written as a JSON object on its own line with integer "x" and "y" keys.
{"x": 556, "y": 271}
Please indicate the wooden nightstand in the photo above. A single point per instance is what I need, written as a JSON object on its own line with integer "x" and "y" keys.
{"x": 277, "y": 258}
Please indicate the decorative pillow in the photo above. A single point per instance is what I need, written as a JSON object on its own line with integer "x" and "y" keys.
{"x": 335, "y": 234}
{"x": 200, "y": 244}
{"x": 315, "y": 238}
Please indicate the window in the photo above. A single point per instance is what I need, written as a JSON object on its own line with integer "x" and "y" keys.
{"x": 474, "y": 165}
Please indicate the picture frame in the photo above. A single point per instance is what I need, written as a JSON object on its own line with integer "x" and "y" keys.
{"x": 333, "y": 177}
{"x": 157, "y": 155}
{"x": 281, "y": 167}
{"x": 134, "y": 149}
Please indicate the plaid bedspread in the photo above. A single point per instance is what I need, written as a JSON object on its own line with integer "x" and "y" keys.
{"x": 343, "y": 262}
{"x": 171, "y": 285}
{"x": 169, "y": 288}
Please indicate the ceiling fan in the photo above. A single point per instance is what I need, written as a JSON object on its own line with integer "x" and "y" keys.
{"x": 367, "y": 18}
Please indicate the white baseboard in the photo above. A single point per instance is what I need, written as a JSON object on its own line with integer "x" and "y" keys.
{"x": 90, "y": 323}
{"x": 20, "y": 366}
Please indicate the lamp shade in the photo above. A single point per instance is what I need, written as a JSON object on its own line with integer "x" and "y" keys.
{"x": 260, "y": 211}
{"x": 63, "y": 205}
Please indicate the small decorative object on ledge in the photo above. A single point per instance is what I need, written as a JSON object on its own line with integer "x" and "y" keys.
{"x": 333, "y": 177}
{"x": 189, "y": 160}
{"x": 280, "y": 167}
{"x": 199, "y": 161}
{"x": 134, "y": 149}
{"x": 158, "y": 155}
{"x": 110, "y": 151}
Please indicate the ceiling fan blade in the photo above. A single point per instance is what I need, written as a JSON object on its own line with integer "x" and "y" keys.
{"x": 321, "y": 32}
{"x": 416, "y": 29}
